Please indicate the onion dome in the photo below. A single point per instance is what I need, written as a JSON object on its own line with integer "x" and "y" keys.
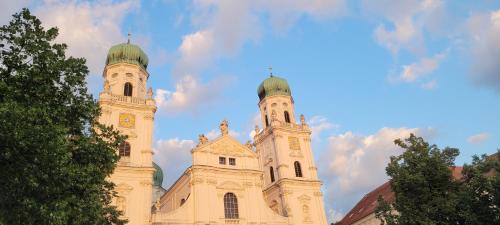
{"x": 273, "y": 86}
{"x": 158, "y": 175}
{"x": 127, "y": 53}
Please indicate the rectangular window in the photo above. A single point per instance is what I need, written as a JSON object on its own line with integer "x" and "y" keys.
{"x": 222, "y": 160}
{"x": 232, "y": 161}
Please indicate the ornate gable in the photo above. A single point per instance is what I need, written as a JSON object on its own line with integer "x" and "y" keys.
{"x": 226, "y": 145}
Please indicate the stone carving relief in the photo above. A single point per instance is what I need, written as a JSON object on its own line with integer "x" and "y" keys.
{"x": 293, "y": 143}
{"x": 306, "y": 213}
{"x": 121, "y": 204}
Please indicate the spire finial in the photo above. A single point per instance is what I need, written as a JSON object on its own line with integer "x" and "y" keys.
{"x": 270, "y": 71}
{"x": 129, "y": 34}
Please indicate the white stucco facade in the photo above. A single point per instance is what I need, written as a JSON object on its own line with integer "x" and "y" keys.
{"x": 228, "y": 182}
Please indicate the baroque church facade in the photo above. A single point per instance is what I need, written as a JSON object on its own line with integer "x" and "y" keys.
{"x": 271, "y": 181}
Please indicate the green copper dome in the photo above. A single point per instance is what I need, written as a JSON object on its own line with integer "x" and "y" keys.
{"x": 127, "y": 53}
{"x": 273, "y": 86}
{"x": 157, "y": 176}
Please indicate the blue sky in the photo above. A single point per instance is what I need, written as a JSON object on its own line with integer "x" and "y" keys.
{"x": 363, "y": 72}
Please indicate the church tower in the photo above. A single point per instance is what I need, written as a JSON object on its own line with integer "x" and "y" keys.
{"x": 128, "y": 105}
{"x": 291, "y": 185}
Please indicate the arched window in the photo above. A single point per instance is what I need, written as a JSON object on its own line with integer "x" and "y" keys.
{"x": 124, "y": 149}
{"x": 183, "y": 201}
{"x": 298, "y": 170}
{"x": 127, "y": 89}
{"x": 230, "y": 206}
{"x": 271, "y": 172}
{"x": 287, "y": 117}
{"x": 267, "y": 121}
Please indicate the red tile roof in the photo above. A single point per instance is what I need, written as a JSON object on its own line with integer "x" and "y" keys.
{"x": 368, "y": 203}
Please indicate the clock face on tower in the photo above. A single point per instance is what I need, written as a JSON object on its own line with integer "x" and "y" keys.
{"x": 127, "y": 120}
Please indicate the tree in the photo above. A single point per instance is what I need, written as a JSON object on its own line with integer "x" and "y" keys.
{"x": 425, "y": 191}
{"x": 480, "y": 191}
{"x": 54, "y": 156}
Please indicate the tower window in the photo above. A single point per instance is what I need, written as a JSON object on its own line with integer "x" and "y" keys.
{"x": 271, "y": 172}
{"x": 222, "y": 160}
{"x": 124, "y": 149}
{"x": 287, "y": 117}
{"x": 231, "y": 206}
{"x": 127, "y": 89}
{"x": 183, "y": 201}
{"x": 298, "y": 170}
{"x": 267, "y": 121}
{"x": 232, "y": 161}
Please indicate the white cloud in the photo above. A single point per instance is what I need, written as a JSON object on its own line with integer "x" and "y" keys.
{"x": 425, "y": 66}
{"x": 9, "y": 8}
{"x": 355, "y": 164}
{"x": 335, "y": 216}
{"x": 89, "y": 28}
{"x": 318, "y": 124}
{"x": 484, "y": 32}
{"x": 407, "y": 19}
{"x": 223, "y": 27}
{"x": 190, "y": 94}
{"x": 478, "y": 138}
{"x": 173, "y": 156}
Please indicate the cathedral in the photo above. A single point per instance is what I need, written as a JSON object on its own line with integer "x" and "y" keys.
{"x": 271, "y": 181}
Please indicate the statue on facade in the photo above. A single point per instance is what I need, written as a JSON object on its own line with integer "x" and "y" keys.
{"x": 257, "y": 129}
{"x": 202, "y": 139}
{"x": 150, "y": 93}
{"x": 249, "y": 145}
{"x": 302, "y": 119}
{"x": 157, "y": 205}
{"x": 224, "y": 127}
{"x": 107, "y": 87}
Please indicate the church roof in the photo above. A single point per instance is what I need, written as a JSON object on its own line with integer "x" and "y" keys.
{"x": 273, "y": 86}
{"x": 127, "y": 53}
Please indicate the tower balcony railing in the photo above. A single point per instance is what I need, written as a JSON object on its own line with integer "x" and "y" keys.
{"x": 285, "y": 125}
{"x": 128, "y": 99}
{"x": 125, "y": 99}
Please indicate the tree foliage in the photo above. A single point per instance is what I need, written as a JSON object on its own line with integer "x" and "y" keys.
{"x": 422, "y": 183}
{"x": 427, "y": 193}
{"x": 480, "y": 191}
{"x": 54, "y": 156}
